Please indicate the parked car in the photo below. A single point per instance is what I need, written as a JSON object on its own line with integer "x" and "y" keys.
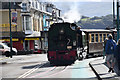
{"x": 5, "y": 50}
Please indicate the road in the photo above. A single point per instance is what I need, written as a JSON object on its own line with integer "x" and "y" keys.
{"x": 37, "y": 66}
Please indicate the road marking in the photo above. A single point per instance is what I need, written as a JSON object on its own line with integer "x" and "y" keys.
{"x": 44, "y": 72}
{"x": 31, "y": 71}
{"x": 55, "y": 73}
{"x": 4, "y": 58}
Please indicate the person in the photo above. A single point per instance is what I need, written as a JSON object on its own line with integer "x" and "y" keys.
{"x": 79, "y": 37}
{"x": 117, "y": 53}
{"x": 109, "y": 49}
{"x": 104, "y": 44}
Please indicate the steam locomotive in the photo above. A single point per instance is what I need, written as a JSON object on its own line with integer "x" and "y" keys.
{"x": 63, "y": 43}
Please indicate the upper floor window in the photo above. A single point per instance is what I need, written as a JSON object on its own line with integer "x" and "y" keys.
{"x": 36, "y": 5}
{"x": 24, "y": 6}
{"x": 27, "y": 23}
{"x": 33, "y": 4}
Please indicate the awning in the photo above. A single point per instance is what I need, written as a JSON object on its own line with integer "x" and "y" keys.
{"x": 32, "y": 38}
{"x": 13, "y": 39}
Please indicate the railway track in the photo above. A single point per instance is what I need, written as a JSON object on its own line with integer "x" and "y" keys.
{"x": 51, "y": 71}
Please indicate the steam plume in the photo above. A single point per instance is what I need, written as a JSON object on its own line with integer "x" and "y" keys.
{"x": 73, "y": 14}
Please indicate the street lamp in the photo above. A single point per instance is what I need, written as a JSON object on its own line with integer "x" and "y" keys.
{"x": 10, "y": 30}
{"x": 118, "y": 19}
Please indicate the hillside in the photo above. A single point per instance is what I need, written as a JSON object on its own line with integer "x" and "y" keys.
{"x": 96, "y": 22}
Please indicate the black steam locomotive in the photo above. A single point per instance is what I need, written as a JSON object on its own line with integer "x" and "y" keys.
{"x": 63, "y": 43}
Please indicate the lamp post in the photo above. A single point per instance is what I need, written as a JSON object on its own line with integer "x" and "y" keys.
{"x": 113, "y": 13}
{"x": 118, "y": 19}
{"x": 10, "y": 30}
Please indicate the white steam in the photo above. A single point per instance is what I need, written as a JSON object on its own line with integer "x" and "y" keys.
{"x": 72, "y": 15}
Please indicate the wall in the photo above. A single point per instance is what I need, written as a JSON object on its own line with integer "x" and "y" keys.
{"x": 5, "y": 20}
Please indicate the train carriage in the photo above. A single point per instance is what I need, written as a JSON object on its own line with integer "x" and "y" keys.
{"x": 95, "y": 39}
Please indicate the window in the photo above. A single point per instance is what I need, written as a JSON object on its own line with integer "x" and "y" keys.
{"x": 104, "y": 36}
{"x": 40, "y": 6}
{"x": 28, "y": 26}
{"x": 107, "y": 35}
{"x": 23, "y": 23}
{"x": 36, "y": 5}
{"x": 100, "y": 37}
{"x": 1, "y": 47}
{"x": 24, "y": 6}
{"x": 96, "y": 37}
{"x": 33, "y": 4}
{"x": 27, "y": 23}
{"x": 92, "y": 36}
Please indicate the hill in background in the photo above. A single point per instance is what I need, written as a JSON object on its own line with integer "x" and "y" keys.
{"x": 96, "y": 22}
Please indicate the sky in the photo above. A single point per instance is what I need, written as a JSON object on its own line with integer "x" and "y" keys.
{"x": 72, "y": 10}
{"x": 86, "y": 8}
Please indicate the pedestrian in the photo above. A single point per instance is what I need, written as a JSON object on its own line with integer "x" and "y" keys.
{"x": 109, "y": 49}
{"x": 117, "y": 53}
{"x": 104, "y": 44}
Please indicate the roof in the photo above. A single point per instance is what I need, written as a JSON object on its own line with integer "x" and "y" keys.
{"x": 97, "y": 30}
{"x": 14, "y": 5}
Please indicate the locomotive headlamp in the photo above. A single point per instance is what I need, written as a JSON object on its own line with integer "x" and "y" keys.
{"x": 69, "y": 47}
{"x": 62, "y": 31}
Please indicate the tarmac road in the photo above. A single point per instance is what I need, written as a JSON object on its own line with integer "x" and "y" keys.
{"x": 37, "y": 66}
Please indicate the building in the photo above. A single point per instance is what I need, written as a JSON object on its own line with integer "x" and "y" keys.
{"x": 33, "y": 21}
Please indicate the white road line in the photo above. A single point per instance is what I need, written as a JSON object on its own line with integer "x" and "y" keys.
{"x": 4, "y": 58}
{"x": 30, "y": 71}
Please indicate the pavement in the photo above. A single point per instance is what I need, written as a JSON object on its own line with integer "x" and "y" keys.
{"x": 100, "y": 68}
